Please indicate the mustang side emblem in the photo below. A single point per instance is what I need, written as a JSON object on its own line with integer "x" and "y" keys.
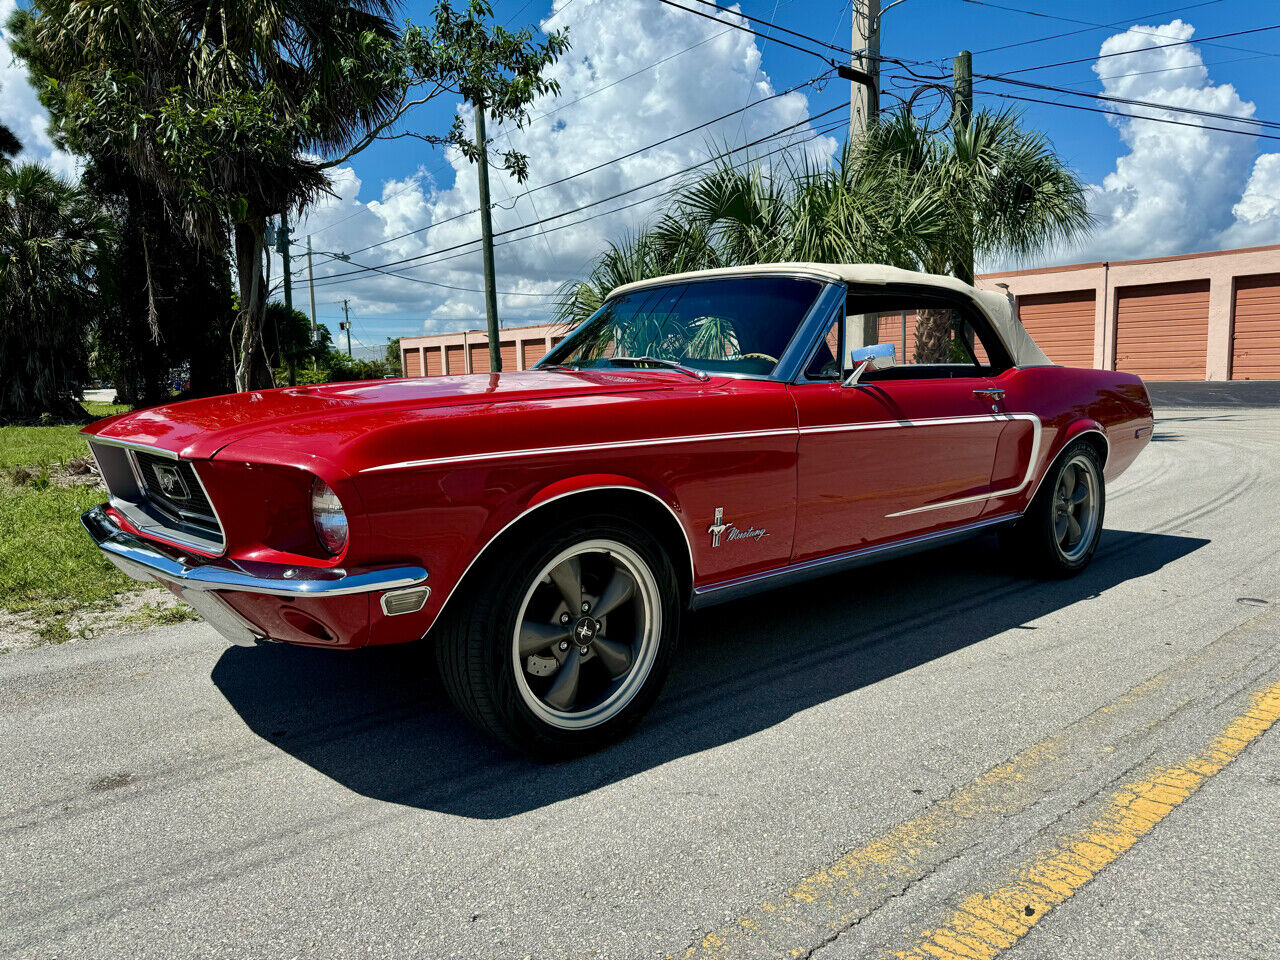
{"x": 719, "y": 528}
{"x": 171, "y": 483}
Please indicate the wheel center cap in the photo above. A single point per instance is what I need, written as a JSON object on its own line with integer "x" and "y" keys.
{"x": 584, "y": 631}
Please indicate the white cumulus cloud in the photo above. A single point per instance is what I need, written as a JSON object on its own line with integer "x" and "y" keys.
{"x": 1180, "y": 187}
{"x": 21, "y": 112}
{"x": 602, "y": 112}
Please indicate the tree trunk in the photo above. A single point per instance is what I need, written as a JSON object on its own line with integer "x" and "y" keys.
{"x": 933, "y": 336}
{"x": 252, "y": 370}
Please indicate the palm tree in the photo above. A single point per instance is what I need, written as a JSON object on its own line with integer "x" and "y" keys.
{"x": 900, "y": 196}
{"x": 10, "y": 145}
{"x": 52, "y": 238}
{"x": 1001, "y": 191}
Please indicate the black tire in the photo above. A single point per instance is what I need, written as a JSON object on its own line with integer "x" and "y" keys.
{"x": 477, "y": 646}
{"x": 1036, "y": 542}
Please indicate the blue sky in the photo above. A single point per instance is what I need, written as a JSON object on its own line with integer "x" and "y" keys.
{"x": 1157, "y": 188}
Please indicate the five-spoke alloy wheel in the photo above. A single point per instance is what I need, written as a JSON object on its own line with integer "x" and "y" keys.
{"x": 1059, "y": 532}
{"x": 562, "y": 645}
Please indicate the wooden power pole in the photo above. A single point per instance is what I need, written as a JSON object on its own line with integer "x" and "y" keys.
{"x": 864, "y": 96}
{"x": 486, "y": 231}
{"x": 962, "y": 91}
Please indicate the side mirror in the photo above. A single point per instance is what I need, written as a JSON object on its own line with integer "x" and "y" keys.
{"x": 882, "y": 356}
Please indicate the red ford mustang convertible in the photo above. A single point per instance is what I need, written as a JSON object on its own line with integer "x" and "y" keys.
{"x": 701, "y": 437}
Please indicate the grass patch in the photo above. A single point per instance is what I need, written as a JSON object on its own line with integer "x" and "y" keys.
{"x": 162, "y": 615}
{"x": 48, "y": 564}
{"x": 49, "y": 446}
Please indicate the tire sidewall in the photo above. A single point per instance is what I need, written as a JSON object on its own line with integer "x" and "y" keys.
{"x": 510, "y": 582}
{"x": 1054, "y": 559}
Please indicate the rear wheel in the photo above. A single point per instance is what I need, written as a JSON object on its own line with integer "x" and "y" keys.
{"x": 1059, "y": 533}
{"x": 563, "y": 647}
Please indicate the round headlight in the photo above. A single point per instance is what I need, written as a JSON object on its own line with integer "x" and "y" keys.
{"x": 328, "y": 516}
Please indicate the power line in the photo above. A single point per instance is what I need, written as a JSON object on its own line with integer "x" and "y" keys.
{"x": 1125, "y": 53}
{"x": 621, "y": 193}
{"x": 822, "y": 131}
{"x": 745, "y": 29}
{"x": 1210, "y": 114}
{"x": 605, "y": 163}
{"x": 1131, "y": 116}
{"x": 1107, "y": 26}
{"x": 768, "y": 23}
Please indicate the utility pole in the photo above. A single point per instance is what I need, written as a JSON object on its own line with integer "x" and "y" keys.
{"x": 962, "y": 92}
{"x": 282, "y": 245}
{"x": 311, "y": 287}
{"x": 486, "y": 230}
{"x": 346, "y": 325}
{"x": 864, "y": 94}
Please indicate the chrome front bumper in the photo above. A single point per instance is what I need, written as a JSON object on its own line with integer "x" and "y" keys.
{"x": 196, "y": 579}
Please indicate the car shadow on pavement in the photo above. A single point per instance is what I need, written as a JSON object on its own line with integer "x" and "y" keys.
{"x": 378, "y": 722}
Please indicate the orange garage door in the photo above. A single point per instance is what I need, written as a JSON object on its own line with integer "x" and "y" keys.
{"x": 413, "y": 362}
{"x": 507, "y": 350}
{"x": 1162, "y": 330}
{"x": 1255, "y": 342}
{"x": 479, "y": 357}
{"x": 434, "y": 369}
{"x": 455, "y": 359}
{"x": 1062, "y": 324}
{"x": 532, "y": 351}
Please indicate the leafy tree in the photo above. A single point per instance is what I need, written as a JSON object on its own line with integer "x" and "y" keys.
{"x": 287, "y": 338}
{"x": 900, "y": 196}
{"x": 167, "y": 302}
{"x": 53, "y": 239}
{"x": 226, "y": 109}
{"x": 393, "y": 356}
{"x": 10, "y": 145}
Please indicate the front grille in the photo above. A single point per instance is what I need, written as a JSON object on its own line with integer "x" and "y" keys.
{"x": 173, "y": 487}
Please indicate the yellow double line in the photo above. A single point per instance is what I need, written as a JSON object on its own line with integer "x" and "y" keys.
{"x": 987, "y": 922}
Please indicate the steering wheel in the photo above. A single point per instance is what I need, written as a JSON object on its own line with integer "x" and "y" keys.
{"x": 759, "y": 356}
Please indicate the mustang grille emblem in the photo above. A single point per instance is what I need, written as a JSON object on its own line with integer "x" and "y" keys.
{"x": 721, "y": 529}
{"x": 171, "y": 483}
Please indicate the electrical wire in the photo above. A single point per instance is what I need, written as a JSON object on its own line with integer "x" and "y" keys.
{"x": 745, "y": 29}
{"x": 1149, "y": 104}
{"x": 769, "y": 23}
{"x": 621, "y": 193}
{"x": 1107, "y": 26}
{"x": 1125, "y": 53}
{"x": 1132, "y": 116}
{"x": 605, "y": 163}
{"x": 820, "y": 132}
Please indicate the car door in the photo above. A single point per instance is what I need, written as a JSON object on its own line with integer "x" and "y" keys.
{"x": 909, "y": 450}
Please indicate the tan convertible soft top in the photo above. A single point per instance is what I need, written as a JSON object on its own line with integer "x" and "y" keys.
{"x": 996, "y": 306}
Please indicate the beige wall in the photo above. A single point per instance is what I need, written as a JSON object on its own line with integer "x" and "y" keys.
{"x": 469, "y": 342}
{"x": 1106, "y": 279}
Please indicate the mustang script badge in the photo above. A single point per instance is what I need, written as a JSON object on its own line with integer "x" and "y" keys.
{"x": 721, "y": 529}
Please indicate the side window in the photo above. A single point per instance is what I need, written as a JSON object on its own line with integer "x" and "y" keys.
{"x": 825, "y": 362}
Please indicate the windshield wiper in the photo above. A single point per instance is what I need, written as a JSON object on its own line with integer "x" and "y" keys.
{"x": 672, "y": 364}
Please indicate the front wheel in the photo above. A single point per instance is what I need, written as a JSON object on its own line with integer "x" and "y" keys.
{"x": 1059, "y": 532}
{"x": 566, "y": 644}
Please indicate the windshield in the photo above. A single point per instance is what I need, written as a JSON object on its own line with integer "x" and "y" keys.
{"x": 738, "y": 325}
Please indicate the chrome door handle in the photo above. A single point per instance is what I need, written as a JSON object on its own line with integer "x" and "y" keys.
{"x": 991, "y": 393}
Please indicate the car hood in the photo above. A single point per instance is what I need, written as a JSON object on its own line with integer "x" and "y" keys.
{"x": 200, "y": 428}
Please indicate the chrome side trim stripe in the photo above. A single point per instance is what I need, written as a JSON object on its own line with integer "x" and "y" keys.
{"x": 820, "y": 566}
{"x": 1037, "y": 429}
{"x": 580, "y": 448}
{"x": 704, "y": 437}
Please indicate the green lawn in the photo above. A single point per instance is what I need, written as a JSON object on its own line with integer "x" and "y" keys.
{"x": 48, "y": 565}
{"x": 48, "y": 446}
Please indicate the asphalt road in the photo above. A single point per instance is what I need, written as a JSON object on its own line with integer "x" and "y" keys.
{"x": 929, "y": 756}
